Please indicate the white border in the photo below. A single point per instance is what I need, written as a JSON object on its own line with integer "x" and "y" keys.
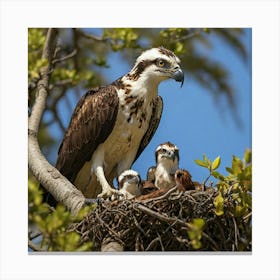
{"x": 17, "y": 16}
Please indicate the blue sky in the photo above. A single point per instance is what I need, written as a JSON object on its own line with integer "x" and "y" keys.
{"x": 192, "y": 119}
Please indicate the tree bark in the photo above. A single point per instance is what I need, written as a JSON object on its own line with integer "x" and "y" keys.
{"x": 54, "y": 182}
{"x": 109, "y": 245}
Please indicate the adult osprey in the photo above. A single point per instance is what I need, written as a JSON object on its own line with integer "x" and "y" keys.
{"x": 112, "y": 125}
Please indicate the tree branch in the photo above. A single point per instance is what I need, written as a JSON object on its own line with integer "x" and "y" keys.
{"x": 90, "y": 36}
{"x": 61, "y": 59}
{"x": 34, "y": 247}
{"x": 61, "y": 189}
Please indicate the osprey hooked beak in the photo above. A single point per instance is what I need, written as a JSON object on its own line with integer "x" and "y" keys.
{"x": 178, "y": 75}
{"x": 133, "y": 179}
{"x": 168, "y": 154}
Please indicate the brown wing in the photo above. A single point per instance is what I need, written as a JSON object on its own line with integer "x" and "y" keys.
{"x": 91, "y": 123}
{"x": 151, "y": 174}
{"x": 183, "y": 180}
{"x": 147, "y": 187}
{"x": 154, "y": 122}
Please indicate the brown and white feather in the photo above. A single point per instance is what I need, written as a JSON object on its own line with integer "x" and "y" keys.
{"x": 112, "y": 125}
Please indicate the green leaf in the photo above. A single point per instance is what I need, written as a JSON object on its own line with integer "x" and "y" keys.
{"x": 218, "y": 175}
{"x": 216, "y": 163}
{"x": 196, "y": 244}
{"x": 248, "y": 156}
{"x": 229, "y": 170}
{"x": 219, "y": 204}
{"x": 205, "y": 158}
{"x": 237, "y": 165}
{"x": 195, "y": 232}
{"x": 201, "y": 163}
{"x": 239, "y": 211}
{"x": 198, "y": 223}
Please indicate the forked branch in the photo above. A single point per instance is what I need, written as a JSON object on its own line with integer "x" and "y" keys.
{"x": 61, "y": 189}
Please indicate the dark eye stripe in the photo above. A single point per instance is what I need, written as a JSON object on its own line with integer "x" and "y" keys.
{"x": 158, "y": 61}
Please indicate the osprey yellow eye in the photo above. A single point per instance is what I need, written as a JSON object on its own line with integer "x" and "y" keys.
{"x": 160, "y": 63}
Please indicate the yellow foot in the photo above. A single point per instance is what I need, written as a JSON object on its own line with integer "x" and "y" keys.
{"x": 108, "y": 193}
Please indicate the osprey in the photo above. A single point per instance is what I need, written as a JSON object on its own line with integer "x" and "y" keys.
{"x": 112, "y": 125}
{"x": 183, "y": 180}
{"x": 129, "y": 183}
{"x": 167, "y": 162}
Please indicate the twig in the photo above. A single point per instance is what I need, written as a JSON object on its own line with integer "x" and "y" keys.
{"x": 137, "y": 243}
{"x": 161, "y": 217}
{"x": 160, "y": 197}
{"x": 35, "y": 235}
{"x": 34, "y": 247}
{"x": 205, "y": 181}
{"x": 235, "y": 233}
{"x": 247, "y": 216}
{"x": 90, "y": 36}
{"x": 115, "y": 234}
{"x": 160, "y": 242}
{"x": 138, "y": 226}
{"x": 189, "y": 36}
{"x": 61, "y": 59}
{"x": 205, "y": 235}
{"x": 151, "y": 243}
{"x": 61, "y": 83}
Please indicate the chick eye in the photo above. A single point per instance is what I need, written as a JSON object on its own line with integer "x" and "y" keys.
{"x": 179, "y": 175}
{"x": 164, "y": 150}
{"x": 161, "y": 63}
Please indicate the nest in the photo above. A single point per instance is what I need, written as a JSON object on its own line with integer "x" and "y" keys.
{"x": 162, "y": 223}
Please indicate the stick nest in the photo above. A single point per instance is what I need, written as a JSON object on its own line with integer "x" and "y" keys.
{"x": 164, "y": 223}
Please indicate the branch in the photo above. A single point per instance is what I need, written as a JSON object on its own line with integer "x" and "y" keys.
{"x": 90, "y": 36}
{"x": 61, "y": 59}
{"x": 172, "y": 220}
{"x": 190, "y": 35}
{"x": 110, "y": 245}
{"x": 59, "y": 186}
{"x": 34, "y": 247}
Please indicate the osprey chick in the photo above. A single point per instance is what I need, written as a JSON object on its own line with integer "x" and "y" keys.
{"x": 167, "y": 162}
{"x": 151, "y": 174}
{"x": 183, "y": 180}
{"x": 112, "y": 125}
{"x": 129, "y": 183}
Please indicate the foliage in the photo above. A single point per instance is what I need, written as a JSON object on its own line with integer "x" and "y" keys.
{"x": 195, "y": 233}
{"x": 80, "y": 58}
{"x": 235, "y": 189}
{"x": 53, "y": 223}
{"x": 121, "y": 38}
{"x": 238, "y": 181}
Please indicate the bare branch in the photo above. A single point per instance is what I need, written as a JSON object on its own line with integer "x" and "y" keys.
{"x": 35, "y": 235}
{"x": 34, "y": 247}
{"x": 61, "y": 59}
{"x": 198, "y": 31}
{"x": 90, "y": 36}
{"x": 165, "y": 194}
{"x": 62, "y": 190}
{"x": 109, "y": 245}
{"x": 61, "y": 83}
